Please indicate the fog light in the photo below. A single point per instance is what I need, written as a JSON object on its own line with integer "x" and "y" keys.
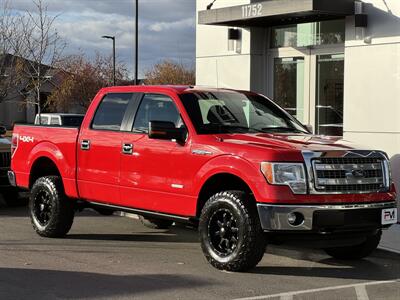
{"x": 295, "y": 218}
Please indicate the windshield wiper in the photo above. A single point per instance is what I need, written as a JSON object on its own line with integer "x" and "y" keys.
{"x": 283, "y": 129}
{"x": 233, "y": 128}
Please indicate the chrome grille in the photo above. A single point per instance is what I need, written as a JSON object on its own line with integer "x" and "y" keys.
{"x": 348, "y": 174}
{"x": 5, "y": 159}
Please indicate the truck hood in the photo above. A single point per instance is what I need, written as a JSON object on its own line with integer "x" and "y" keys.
{"x": 290, "y": 141}
{"x": 5, "y": 144}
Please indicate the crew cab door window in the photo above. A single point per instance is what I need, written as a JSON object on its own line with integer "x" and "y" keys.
{"x": 156, "y": 107}
{"x": 111, "y": 112}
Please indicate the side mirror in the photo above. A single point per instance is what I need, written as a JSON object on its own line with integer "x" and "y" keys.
{"x": 166, "y": 131}
{"x": 309, "y": 127}
{"x": 3, "y": 130}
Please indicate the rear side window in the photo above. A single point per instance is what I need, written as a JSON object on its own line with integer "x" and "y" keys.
{"x": 156, "y": 107}
{"x": 111, "y": 111}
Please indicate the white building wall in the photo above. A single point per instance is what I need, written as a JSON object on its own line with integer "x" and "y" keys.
{"x": 216, "y": 66}
{"x": 372, "y": 81}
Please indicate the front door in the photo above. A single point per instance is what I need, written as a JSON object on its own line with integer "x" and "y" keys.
{"x": 151, "y": 176}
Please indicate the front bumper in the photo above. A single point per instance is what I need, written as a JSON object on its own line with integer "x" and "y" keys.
{"x": 322, "y": 218}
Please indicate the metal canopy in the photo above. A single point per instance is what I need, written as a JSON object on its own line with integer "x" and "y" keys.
{"x": 277, "y": 12}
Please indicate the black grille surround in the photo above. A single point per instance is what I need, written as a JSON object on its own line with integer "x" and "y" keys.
{"x": 5, "y": 159}
{"x": 338, "y": 175}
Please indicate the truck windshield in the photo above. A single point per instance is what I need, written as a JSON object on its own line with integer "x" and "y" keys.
{"x": 236, "y": 112}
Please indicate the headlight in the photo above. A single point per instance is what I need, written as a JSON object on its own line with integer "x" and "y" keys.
{"x": 290, "y": 174}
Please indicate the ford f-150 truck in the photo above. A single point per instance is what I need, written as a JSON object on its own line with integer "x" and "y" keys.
{"x": 233, "y": 163}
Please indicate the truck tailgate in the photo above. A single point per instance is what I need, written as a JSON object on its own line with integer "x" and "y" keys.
{"x": 56, "y": 144}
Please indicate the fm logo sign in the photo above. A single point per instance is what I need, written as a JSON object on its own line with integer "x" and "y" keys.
{"x": 389, "y": 216}
{"x": 26, "y": 139}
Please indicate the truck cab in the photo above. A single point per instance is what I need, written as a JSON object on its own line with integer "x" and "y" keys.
{"x": 232, "y": 163}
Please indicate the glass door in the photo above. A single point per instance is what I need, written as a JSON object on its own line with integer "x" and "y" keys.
{"x": 309, "y": 85}
{"x": 329, "y": 94}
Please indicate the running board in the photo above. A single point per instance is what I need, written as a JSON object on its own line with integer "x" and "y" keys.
{"x": 144, "y": 213}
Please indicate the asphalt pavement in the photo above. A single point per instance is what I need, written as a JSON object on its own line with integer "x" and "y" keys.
{"x": 118, "y": 258}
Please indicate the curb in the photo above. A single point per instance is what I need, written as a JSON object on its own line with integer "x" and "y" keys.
{"x": 389, "y": 250}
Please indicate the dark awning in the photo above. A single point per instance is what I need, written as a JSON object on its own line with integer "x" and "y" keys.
{"x": 276, "y": 12}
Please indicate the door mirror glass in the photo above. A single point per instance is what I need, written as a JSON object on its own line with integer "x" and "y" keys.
{"x": 3, "y": 130}
{"x": 165, "y": 130}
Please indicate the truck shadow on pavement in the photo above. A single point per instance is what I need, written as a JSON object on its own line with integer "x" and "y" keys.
{"x": 49, "y": 284}
{"x": 381, "y": 265}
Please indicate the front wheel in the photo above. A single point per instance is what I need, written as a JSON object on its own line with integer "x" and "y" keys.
{"x": 357, "y": 251}
{"x": 230, "y": 232}
{"x": 52, "y": 212}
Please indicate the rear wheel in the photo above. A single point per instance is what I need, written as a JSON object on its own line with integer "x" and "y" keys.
{"x": 230, "y": 232}
{"x": 52, "y": 212}
{"x": 155, "y": 223}
{"x": 357, "y": 251}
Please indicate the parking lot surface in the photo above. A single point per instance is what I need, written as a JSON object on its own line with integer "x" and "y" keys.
{"x": 118, "y": 258}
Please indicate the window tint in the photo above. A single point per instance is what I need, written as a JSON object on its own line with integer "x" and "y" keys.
{"x": 155, "y": 107}
{"x": 75, "y": 121}
{"x": 111, "y": 111}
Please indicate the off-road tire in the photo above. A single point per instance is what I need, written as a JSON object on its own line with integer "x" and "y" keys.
{"x": 155, "y": 223}
{"x": 357, "y": 251}
{"x": 251, "y": 242}
{"x": 60, "y": 208}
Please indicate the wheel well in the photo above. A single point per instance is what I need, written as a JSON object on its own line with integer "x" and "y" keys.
{"x": 218, "y": 183}
{"x": 42, "y": 167}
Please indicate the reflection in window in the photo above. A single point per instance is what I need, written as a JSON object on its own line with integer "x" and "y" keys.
{"x": 156, "y": 107}
{"x": 308, "y": 34}
{"x": 289, "y": 85}
{"x": 111, "y": 111}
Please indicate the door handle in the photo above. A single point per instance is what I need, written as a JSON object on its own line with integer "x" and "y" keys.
{"x": 85, "y": 145}
{"x": 127, "y": 148}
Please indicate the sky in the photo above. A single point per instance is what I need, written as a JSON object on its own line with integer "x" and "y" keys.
{"x": 166, "y": 28}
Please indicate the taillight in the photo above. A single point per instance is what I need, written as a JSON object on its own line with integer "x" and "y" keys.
{"x": 14, "y": 143}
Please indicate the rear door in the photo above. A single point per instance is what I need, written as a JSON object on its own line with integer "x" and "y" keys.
{"x": 99, "y": 149}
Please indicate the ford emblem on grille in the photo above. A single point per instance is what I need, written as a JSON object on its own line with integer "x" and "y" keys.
{"x": 356, "y": 173}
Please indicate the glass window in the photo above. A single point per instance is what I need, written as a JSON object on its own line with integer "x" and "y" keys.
{"x": 54, "y": 121}
{"x": 235, "y": 112}
{"x": 43, "y": 120}
{"x": 111, "y": 111}
{"x": 73, "y": 121}
{"x": 289, "y": 85}
{"x": 329, "y": 102}
{"x": 156, "y": 107}
{"x": 308, "y": 34}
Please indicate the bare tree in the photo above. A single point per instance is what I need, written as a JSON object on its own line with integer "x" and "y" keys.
{"x": 10, "y": 43}
{"x": 33, "y": 37}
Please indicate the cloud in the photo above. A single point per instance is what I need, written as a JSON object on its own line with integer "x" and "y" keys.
{"x": 166, "y": 28}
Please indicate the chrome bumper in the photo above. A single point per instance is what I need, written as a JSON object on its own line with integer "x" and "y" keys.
{"x": 11, "y": 178}
{"x": 275, "y": 217}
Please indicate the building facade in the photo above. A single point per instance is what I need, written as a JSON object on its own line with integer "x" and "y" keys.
{"x": 333, "y": 64}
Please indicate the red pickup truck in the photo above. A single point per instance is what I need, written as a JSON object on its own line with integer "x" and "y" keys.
{"x": 231, "y": 162}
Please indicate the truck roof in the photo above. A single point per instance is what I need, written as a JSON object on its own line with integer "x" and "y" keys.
{"x": 179, "y": 89}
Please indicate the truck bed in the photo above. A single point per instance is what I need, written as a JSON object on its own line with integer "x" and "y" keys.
{"x": 54, "y": 142}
